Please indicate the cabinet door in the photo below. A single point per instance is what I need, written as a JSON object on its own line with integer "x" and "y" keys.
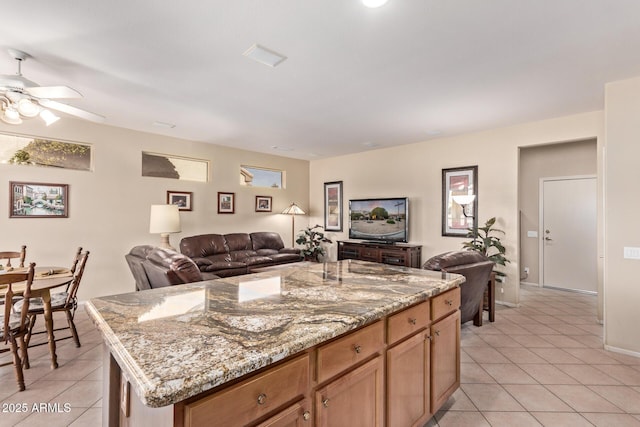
{"x": 355, "y": 399}
{"x": 296, "y": 415}
{"x": 408, "y": 382}
{"x": 445, "y": 359}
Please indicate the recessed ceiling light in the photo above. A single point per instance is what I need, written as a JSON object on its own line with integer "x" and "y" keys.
{"x": 264, "y": 56}
{"x": 374, "y": 3}
{"x": 370, "y": 144}
{"x": 164, "y": 125}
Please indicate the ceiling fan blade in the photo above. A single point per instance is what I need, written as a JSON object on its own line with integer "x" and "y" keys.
{"x": 74, "y": 111}
{"x": 53, "y": 92}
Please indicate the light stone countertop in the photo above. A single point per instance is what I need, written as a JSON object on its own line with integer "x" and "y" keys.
{"x": 175, "y": 342}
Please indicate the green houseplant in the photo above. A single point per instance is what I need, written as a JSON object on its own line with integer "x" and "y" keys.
{"x": 311, "y": 239}
{"x": 486, "y": 241}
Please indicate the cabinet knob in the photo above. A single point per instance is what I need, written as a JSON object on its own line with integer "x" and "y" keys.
{"x": 325, "y": 402}
{"x": 449, "y": 302}
{"x": 306, "y": 415}
{"x": 437, "y": 333}
{"x": 262, "y": 398}
{"x": 412, "y": 320}
{"x": 358, "y": 349}
{"x": 429, "y": 337}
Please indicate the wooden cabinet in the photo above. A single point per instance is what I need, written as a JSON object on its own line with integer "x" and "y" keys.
{"x": 394, "y": 254}
{"x": 445, "y": 347}
{"x": 355, "y": 399}
{"x": 296, "y": 415}
{"x": 408, "y": 382}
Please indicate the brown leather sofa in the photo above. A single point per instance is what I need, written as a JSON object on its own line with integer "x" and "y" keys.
{"x": 237, "y": 253}
{"x": 155, "y": 267}
{"x": 476, "y": 268}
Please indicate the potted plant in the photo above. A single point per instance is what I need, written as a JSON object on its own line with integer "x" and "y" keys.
{"x": 311, "y": 239}
{"x": 488, "y": 243}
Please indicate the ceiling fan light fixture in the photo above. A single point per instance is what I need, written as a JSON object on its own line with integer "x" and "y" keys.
{"x": 48, "y": 117}
{"x": 11, "y": 116}
{"x": 28, "y": 108}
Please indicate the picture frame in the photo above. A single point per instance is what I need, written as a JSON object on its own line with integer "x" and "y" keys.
{"x": 333, "y": 209}
{"x": 459, "y": 200}
{"x": 181, "y": 198}
{"x": 38, "y": 200}
{"x": 226, "y": 203}
{"x": 263, "y": 203}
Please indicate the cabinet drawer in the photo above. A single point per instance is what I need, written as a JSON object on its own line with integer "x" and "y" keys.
{"x": 445, "y": 303}
{"x": 408, "y": 321}
{"x": 251, "y": 399}
{"x": 347, "y": 351}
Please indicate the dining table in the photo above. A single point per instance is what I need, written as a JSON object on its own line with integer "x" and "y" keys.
{"x": 45, "y": 279}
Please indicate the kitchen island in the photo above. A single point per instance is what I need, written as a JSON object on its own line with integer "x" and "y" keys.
{"x": 341, "y": 343}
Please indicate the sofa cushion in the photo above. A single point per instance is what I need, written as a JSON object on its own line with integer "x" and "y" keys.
{"x": 242, "y": 255}
{"x": 165, "y": 267}
{"x": 223, "y": 265}
{"x": 266, "y": 240}
{"x": 135, "y": 258}
{"x": 266, "y": 252}
{"x": 204, "y": 245}
{"x": 258, "y": 260}
{"x": 283, "y": 258}
{"x": 238, "y": 242}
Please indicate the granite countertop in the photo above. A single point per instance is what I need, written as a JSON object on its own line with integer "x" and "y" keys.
{"x": 173, "y": 343}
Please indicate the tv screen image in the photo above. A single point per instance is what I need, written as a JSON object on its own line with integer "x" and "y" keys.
{"x": 380, "y": 220}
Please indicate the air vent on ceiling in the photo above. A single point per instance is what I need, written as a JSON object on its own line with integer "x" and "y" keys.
{"x": 264, "y": 55}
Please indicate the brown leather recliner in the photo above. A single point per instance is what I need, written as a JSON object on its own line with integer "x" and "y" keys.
{"x": 155, "y": 267}
{"x": 476, "y": 268}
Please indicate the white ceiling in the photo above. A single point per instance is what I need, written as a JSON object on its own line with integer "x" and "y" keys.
{"x": 355, "y": 78}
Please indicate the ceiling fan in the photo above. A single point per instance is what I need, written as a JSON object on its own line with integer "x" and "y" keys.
{"x": 22, "y": 98}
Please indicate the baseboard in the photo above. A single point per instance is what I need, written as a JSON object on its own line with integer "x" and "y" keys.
{"x": 508, "y": 304}
{"x": 530, "y": 284}
{"x": 622, "y": 351}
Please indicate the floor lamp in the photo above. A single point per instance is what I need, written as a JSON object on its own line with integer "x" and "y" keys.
{"x": 293, "y": 210}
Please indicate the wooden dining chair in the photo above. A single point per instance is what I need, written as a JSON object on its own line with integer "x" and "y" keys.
{"x": 9, "y": 255}
{"x": 66, "y": 301}
{"x": 14, "y": 325}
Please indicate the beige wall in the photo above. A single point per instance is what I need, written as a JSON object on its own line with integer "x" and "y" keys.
{"x": 553, "y": 160}
{"x": 416, "y": 171}
{"x": 109, "y": 207}
{"x": 622, "y": 228}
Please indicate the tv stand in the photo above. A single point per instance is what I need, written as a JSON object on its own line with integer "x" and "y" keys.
{"x": 394, "y": 254}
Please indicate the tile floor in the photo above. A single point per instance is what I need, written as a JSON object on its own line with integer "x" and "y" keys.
{"x": 538, "y": 365}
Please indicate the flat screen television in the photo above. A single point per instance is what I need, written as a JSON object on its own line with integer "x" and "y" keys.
{"x": 379, "y": 220}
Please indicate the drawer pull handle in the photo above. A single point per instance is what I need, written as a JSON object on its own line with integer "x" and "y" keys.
{"x": 262, "y": 399}
{"x": 430, "y": 338}
{"x": 449, "y": 302}
{"x": 358, "y": 349}
{"x": 437, "y": 333}
{"x": 412, "y": 320}
{"x": 306, "y": 415}
{"x": 325, "y": 402}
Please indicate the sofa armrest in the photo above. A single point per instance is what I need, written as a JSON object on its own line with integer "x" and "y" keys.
{"x": 290, "y": 251}
{"x": 202, "y": 262}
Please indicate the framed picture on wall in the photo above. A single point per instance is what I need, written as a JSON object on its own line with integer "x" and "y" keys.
{"x": 226, "y": 203}
{"x": 180, "y": 198}
{"x": 333, "y": 206}
{"x": 263, "y": 203}
{"x": 38, "y": 200}
{"x": 459, "y": 200}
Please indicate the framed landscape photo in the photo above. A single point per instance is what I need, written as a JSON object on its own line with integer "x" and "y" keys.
{"x": 459, "y": 200}
{"x": 263, "y": 203}
{"x": 38, "y": 200}
{"x": 181, "y": 198}
{"x": 333, "y": 206}
{"x": 226, "y": 203}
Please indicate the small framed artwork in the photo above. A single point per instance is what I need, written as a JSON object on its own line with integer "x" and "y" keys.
{"x": 333, "y": 206}
{"x": 180, "y": 198}
{"x": 38, "y": 200}
{"x": 226, "y": 203}
{"x": 459, "y": 200}
{"x": 263, "y": 203}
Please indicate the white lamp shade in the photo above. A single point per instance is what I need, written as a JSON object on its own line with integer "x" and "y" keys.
{"x": 293, "y": 209}
{"x": 164, "y": 219}
{"x": 464, "y": 199}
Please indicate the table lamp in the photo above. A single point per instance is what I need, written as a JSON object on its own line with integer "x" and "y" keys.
{"x": 293, "y": 210}
{"x": 164, "y": 220}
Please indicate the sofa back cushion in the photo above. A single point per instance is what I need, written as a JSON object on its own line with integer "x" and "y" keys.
{"x": 238, "y": 242}
{"x": 204, "y": 245}
{"x": 135, "y": 258}
{"x": 266, "y": 240}
{"x": 449, "y": 259}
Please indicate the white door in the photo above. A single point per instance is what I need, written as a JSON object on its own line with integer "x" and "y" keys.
{"x": 569, "y": 234}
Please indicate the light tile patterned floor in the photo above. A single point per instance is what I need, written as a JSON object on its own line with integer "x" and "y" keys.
{"x": 538, "y": 365}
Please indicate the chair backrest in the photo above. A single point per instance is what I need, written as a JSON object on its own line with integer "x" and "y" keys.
{"x": 9, "y": 255}
{"x": 76, "y": 258}
{"x": 6, "y": 287}
{"x": 78, "y": 267}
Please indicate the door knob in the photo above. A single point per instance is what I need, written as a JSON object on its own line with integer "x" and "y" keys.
{"x": 548, "y": 239}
